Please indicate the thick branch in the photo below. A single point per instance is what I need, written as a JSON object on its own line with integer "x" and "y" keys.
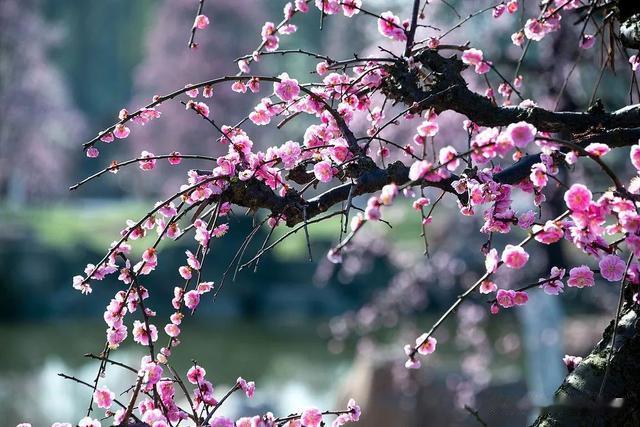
{"x": 576, "y": 400}
{"x": 411, "y": 86}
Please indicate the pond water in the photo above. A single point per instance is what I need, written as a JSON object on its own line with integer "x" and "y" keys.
{"x": 288, "y": 360}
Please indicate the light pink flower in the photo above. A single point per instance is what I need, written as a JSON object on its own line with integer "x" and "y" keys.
{"x": 580, "y": 277}
{"x": 534, "y": 29}
{"x": 514, "y": 256}
{"x": 196, "y": 374}
{"x": 487, "y": 286}
{"x": 92, "y": 152}
{"x": 311, "y": 417}
{"x": 612, "y": 268}
{"x": 571, "y": 362}
{"x": 192, "y": 299}
{"x": 448, "y": 156}
{"x": 249, "y": 387}
{"x": 103, "y": 397}
{"x": 578, "y": 198}
{"x": 635, "y": 156}
{"x": 521, "y": 133}
{"x": 491, "y": 261}
{"x": 597, "y": 149}
{"x": 389, "y": 25}
{"x": 323, "y": 171}
{"x": 201, "y": 22}
{"x": 426, "y": 345}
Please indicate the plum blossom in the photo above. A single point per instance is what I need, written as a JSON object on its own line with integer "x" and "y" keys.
{"x": 514, "y": 256}
{"x": 487, "y": 286}
{"x": 475, "y": 57}
{"x": 597, "y": 149}
{"x": 580, "y": 277}
{"x": 578, "y": 198}
{"x": 635, "y": 156}
{"x": 323, "y": 171}
{"x": 103, "y": 397}
{"x": 311, "y": 417}
{"x": 426, "y": 344}
{"x": 389, "y": 25}
{"x": 571, "y": 362}
{"x": 521, "y": 133}
{"x": 196, "y": 374}
{"x": 248, "y": 387}
{"x": 201, "y": 22}
{"x": 612, "y": 268}
{"x": 286, "y": 89}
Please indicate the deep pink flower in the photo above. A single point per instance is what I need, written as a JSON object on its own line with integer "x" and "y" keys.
{"x": 571, "y": 362}
{"x": 196, "y": 374}
{"x": 578, "y": 198}
{"x": 597, "y": 149}
{"x": 192, "y": 299}
{"x": 506, "y": 298}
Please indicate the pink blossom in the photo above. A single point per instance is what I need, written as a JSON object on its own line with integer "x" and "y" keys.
{"x": 351, "y": 7}
{"x": 597, "y": 149}
{"x": 587, "y": 41}
{"x": 578, "y": 198}
{"x": 248, "y": 387}
{"x": 426, "y": 345}
{"x": 549, "y": 233}
{"x": 389, "y": 26}
{"x": 514, "y": 256}
{"x": 388, "y": 194}
{"x": 635, "y": 156}
{"x": 571, "y": 362}
{"x": 505, "y": 298}
{"x": 89, "y": 422}
{"x": 323, "y": 171}
{"x": 538, "y": 175}
{"x": 192, "y": 299}
{"x": 92, "y": 152}
{"x": 372, "y": 211}
{"x": 580, "y": 277}
{"x": 420, "y": 203}
{"x": 201, "y": 22}
{"x": 196, "y": 374}
{"x": 121, "y": 131}
{"x": 311, "y": 417}
{"x": 520, "y": 298}
{"x": 322, "y": 68}
{"x": 172, "y": 330}
{"x": 634, "y": 60}
{"x": 185, "y": 272}
{"x": 487, "y": 286}
{"x": 521, "y": 133}
{"x": 419, "y": 169}
{"x": 428, "y": 128}
{"x": 175, "y": 158}
{"x": 149, "y": 163}
{"x": 612, "y": 268}
{"x": 286, "y": 89}
{"x": 491, "y": 260}
{"x": 534, "y": 29}
{"x": 141, "y": 335}
{"x": 475, "y": 57}
{"x": 448, "y": 156}
{"x": 103, "y": 397}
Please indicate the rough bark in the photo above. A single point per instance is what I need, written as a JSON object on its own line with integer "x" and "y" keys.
{"x": 576, "y": 401}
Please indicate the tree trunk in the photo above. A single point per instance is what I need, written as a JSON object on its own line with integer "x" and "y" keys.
{"x": 576, "y": 401}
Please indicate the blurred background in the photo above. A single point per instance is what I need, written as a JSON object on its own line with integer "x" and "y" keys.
{"x": 307, "y": 333}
